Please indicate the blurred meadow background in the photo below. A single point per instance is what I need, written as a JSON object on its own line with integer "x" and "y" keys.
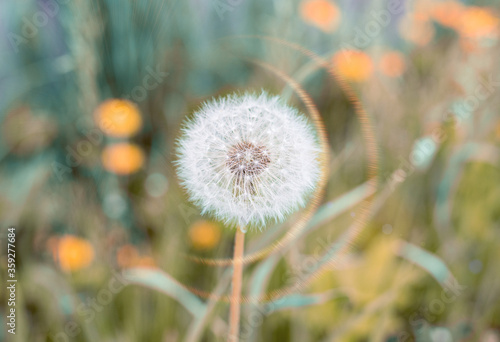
{"x": 404, "y": 245}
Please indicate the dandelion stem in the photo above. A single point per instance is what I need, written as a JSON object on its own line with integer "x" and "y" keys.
{"x": 234, "y": 310}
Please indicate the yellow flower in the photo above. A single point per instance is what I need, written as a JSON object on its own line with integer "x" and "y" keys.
{"x": 204, "y": 235}
{"x": 392, "y": 64}
{"x": 122, "y": 158}
{"x": 447, "y": 13}
{"x": 478, "y": 22}
{"x": 320, "y": 13}
{"x": 353, "y": 65}
{"x": 118, "y": 118}
{"x": 73, "y": 253}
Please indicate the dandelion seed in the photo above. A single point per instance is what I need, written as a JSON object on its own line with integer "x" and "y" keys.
{"x": 245, "y": 184}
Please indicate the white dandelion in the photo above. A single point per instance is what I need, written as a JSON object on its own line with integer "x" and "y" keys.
{"x": 248, "y": 159}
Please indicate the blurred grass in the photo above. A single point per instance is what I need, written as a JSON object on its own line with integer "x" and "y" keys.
{"x": 442, "y": 203}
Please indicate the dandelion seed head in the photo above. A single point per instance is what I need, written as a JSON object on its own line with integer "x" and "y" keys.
{"x": 248, "y": 159}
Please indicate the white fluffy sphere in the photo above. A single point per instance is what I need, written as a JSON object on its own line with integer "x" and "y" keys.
{"x": 248, "y": 159}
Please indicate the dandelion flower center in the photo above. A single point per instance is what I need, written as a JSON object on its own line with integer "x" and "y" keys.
{"x": 247, "y": 159}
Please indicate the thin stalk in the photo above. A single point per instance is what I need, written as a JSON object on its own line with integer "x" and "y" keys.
{"x": 234, "y": 309}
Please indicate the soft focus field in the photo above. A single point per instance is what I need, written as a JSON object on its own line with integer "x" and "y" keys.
{"x": 405, "y": 245}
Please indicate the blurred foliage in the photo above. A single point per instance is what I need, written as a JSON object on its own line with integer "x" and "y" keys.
{"x": 92, "y": 96}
